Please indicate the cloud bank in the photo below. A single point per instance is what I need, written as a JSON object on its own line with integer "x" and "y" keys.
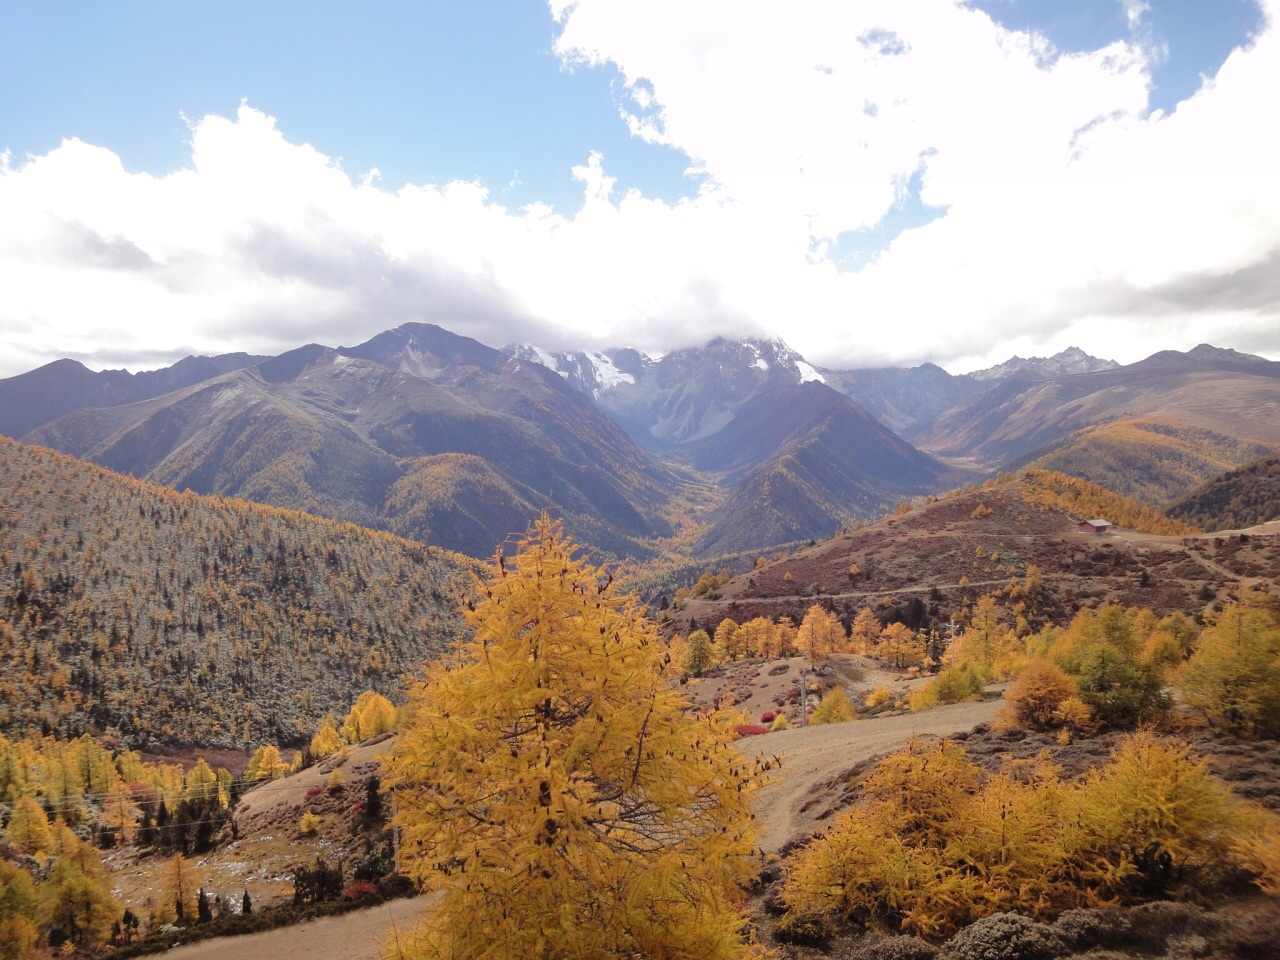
{"x": 1069, "y": 212}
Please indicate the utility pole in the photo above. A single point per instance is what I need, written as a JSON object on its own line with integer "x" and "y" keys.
{"x": 804, "y": 698}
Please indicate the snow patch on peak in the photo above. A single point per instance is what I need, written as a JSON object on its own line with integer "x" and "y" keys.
{"x": 758, "y": 360}
{"x": 607, "y": 374}
{"x": 808, "y": 373}
{"x": 416, "y": 363}
{"x": 548, "y": 360}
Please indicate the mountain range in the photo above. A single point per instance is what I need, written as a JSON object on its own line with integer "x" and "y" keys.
{"x": 736, "y": 445}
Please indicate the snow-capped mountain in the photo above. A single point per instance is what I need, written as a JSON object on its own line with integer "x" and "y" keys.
{"x": 1070, "y": 361}
{"x": 593, "y": 373}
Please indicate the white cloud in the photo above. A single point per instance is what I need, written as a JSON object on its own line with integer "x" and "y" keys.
{"x": 1072, "y": 216}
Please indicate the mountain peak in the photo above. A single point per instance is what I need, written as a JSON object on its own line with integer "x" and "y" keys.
{"x": 1066, "y": 363}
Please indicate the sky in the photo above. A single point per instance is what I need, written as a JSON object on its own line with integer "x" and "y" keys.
{"x": 875, "y": 182}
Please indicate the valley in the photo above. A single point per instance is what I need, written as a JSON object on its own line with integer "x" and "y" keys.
{"x": 222, "y": 559}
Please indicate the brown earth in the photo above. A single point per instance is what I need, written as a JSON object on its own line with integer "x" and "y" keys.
{"x": 352, "y": 936}
{"x": 940, "y": 558}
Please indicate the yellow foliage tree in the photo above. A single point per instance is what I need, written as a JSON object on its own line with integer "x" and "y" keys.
{"x": 900, "y": 646}
{"x": 326, "y": 740}
{"x": 728, "y": 645}
{"x": 180, "y": 888}
{"x": 266, "y": 764}
{"x": 371, "y": 715}
{"x": 834, "y": 708}
{"x": 1035, "y": 698}
{"x": 554, "y": 789}
{"x": 988, "y": 645}
{"x": 698, "y": 655}
{"x": 76, "y": 894}
{"x": 28, "y": 828}
{"x": 1234, "y": 674}
{"x": 785, "y": 632}
{"x": 763, "y": 634}
{"x": 820, "y": 634}
{"x": 120, "y": 812}
{"x": 1156, "y": 814}
{"x": 202, "y": 783}
{"x": 19, "y": 913}
{"x": 864, "y": 632}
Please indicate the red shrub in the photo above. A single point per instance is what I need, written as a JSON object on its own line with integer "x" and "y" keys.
{"x": 313, "y": 792}
{"x": 751, "y": 729}
{"x": 359, "y": 890}
{"x": 767, "y": 716}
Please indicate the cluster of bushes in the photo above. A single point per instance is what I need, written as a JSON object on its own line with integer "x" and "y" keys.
{"x": 1159, "y": 929}
{"x": 934, "y": 843}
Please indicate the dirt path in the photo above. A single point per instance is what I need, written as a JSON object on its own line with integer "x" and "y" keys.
{"x": 812, "y": 756}
{"x": 352, "y": 936}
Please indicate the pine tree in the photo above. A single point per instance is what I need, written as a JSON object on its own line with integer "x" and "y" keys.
{"x": 554, "y": 790}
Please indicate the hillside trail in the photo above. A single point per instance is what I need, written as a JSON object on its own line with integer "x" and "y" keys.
{"x": 351, "y": 936}
{"x": 1246, "y": 583}
{"x": 813, "y": 761}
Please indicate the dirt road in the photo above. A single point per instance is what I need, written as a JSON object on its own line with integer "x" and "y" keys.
{"x": 352, "y": 936}
{"x": 811, "y": 756}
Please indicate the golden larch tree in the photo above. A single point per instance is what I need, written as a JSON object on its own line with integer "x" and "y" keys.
{"x": 553, "y": 788}
{"x": 820, "y": 634}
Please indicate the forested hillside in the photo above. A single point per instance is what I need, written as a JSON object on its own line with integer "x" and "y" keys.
{"x": 1149, "y": 459}
{"x": 1237, "y": 499}
{"x": 128, "y": 609}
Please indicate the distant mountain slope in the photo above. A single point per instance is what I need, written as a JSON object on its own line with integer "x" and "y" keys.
{"x": 925, "y": 566}
{"x": 1153, "y": 461}
{"x": 162, "y": 618}
{"x": 1085, "y": 500}
{"x": 834, "y": 464}
{"x": 901, "y": 398}
{"x": 34, "y": 398}
{"x": 1206, "y": 389}
{"x": 1237, "y": 499}
{"x": 333, "y": 432}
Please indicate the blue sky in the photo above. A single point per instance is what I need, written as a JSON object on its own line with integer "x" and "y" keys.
{"x": 425, "y": 92}
{"x": 875, "y": 183}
